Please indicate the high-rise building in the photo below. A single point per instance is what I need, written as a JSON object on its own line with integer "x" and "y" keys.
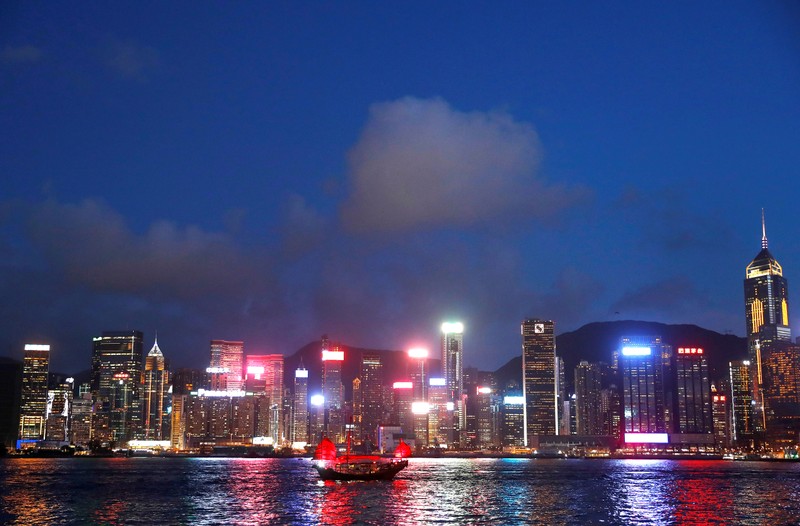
{"x": 300, "y": 407}
{"x": 440, "y": 413}
{"x": 539, "y": 378}
{"x": 643, "y": 394}
{"x": 117, "y": 369}
{"x": 33, "y": 396}
{"x": 766, "y": 296}
{"x": 156, "y": 395}
{"x": 741, "y": 402}
{"x": 59, "y": 410}
{"x": 417, "y": 358}
{"x": 401, "y": 413}
{"x": 81, "y": 420}
{"x": 588, "y": 384}
{"x": 692, "y": 392}
{"x": 781, "y": 391}
{"x": 264, "y": 378}
{"x": 225, "y": 367}
{"x": 453, "y": 369}
{"x": 333, "y": 390}
{"x": 371, "y": 376}
{"x": 720, "y": 411}
{"x": 513, "y": 430}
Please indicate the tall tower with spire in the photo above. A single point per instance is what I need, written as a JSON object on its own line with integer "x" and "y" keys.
{"x": 156, "y": 385}
{"x": 766, "y": 296}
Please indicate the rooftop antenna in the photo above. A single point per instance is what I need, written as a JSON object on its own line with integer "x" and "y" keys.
{"x": 763, "y": 231}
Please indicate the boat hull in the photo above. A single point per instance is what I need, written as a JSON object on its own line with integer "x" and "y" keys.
{"x": 360, "y": 471}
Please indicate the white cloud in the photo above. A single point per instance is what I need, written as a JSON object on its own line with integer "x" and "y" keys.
{"x": 421, "y": 162}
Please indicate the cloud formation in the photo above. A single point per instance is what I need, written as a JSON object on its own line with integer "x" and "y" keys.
{"x": 421, "y": 162}
{"x": 93, "y": 246}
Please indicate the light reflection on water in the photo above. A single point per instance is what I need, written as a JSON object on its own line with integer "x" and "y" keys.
{"x": 430, "y": 491}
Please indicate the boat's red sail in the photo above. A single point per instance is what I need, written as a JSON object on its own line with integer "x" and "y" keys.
{"x": 326, "y": 450}
{"x": 402, "y": 450}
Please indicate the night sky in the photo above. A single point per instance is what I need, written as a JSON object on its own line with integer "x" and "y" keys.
{"x": 273, "y": 172}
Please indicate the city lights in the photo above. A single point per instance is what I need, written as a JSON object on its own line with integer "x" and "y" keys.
{"x": 452, "y": 327}
{"x": 317, "y": 400}
{"x": 334, "y": 356}
{"x": 437, "y": 382}
{"x": 636, "y": 351}
{"x": 484, "y": 390}
{"x": 403, "y": 385}
{"x": 418, "y": 352}
{"x": 36, "y": 347}
{"x": 513, "y": 400}
{"x": 646, "y": 438}
{"x": 301, "y": 373}
{"x": 420, "y": 408}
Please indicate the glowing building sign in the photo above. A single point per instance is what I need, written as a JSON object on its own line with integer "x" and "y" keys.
{"x": 484, "y": 390}
{"x": 217, "y": 370}
{"x": 317, "y": 400}
{"x": 437, "y": 382}
{"x": 513, "y": 400}
{"x": 36, "y": 347}
{"x": 420, "y": 408}
{"x": 219, "y": 394}
{"x": 334, "y": 356}
{"x": 403, "y": 385}
{"x": 452, "y": 327}
{"x": 646, "y": 438}
{"x": 418, "y": 352}
{"x": 256, "y": 371}
{"x": 636, "y": 351}
{"x": 690, "y": 350}
{"x": 451, "y": 406}
{"x": 301, "y": 373}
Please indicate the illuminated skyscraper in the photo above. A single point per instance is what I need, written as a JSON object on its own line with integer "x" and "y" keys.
{"x": 117, "y": 371}
{"x": 513, "y": 427}
{"x": 33, "y": 399}
{"x": 440, "y": 416}
{"x": 300, "y": 409}
{"x": 539, "y": 378}
{"x": 401, "y": 413}
{"x": 766, "y": 296}
{"x": 156, "y": 396}
{"x": 742, "y": 402}
{"x": 643, "y": 395}
{"x": 264, "y": 378}
{"x": 692, "y": 392}
{"x": 225, "y": 367}
{"x": 333, "y": 390}
{"x": 453, "y": 369}
{"x": 371, "y": 377}
{"x": 588, "y": 383}
{"x": 720, "y": 409}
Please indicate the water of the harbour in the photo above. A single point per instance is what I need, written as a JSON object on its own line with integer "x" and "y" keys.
{"x": 430, "y": 491}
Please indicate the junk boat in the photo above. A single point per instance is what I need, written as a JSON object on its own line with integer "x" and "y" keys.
{"x": 358, "y": 467}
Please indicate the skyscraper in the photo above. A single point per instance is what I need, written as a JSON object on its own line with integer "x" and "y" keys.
{"x": 588, "y": 383}
{"x": 300, "y": 408}
{"x": 643, "y": 395}
{"x": 693, "y": 392}
{"x": 117, "y": 370}
{"x": 33, "y": 399}
{"x": 766, "y": 296}
{"x": 156, "y": 387}
{"x": 371, "y": 376}
{"x": 539, "y": 378}
{"x": 333, "y": 390}
{"x": 225, "y": 367}
{"x": 264, "y": 378}
{"x": 453, "y": 369}
{"x": 741, "y": 402}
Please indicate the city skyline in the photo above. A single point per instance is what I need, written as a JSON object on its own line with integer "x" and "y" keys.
{"x": 368, "y": 171}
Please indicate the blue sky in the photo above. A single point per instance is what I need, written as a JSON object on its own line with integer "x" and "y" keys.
{"x": 275, "y": 171}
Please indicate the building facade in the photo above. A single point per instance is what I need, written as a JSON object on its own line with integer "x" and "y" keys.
{"x": 539, "y": 378}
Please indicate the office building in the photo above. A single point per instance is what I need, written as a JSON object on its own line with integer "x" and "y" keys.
{"x": 453, "y": 371}
{"x": 692, "y": 392}
{"x": 333, "y": 390}
{"x": 539, "y": 378}
{"x": 741, "y": 402}
{"x": 300, "y": 406}
{"x": 117, "y": 369}
{"x": 156, "y": 395}
{"x": 33, "y": 394}
{"x": 372, "y": 405}
{"x": 766, "y": 295}
{"x": 644, "y": 398}
{"x": 588, "y": 412}
{"x": 264, "y": 379}
{"x": 225, "y": 366}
